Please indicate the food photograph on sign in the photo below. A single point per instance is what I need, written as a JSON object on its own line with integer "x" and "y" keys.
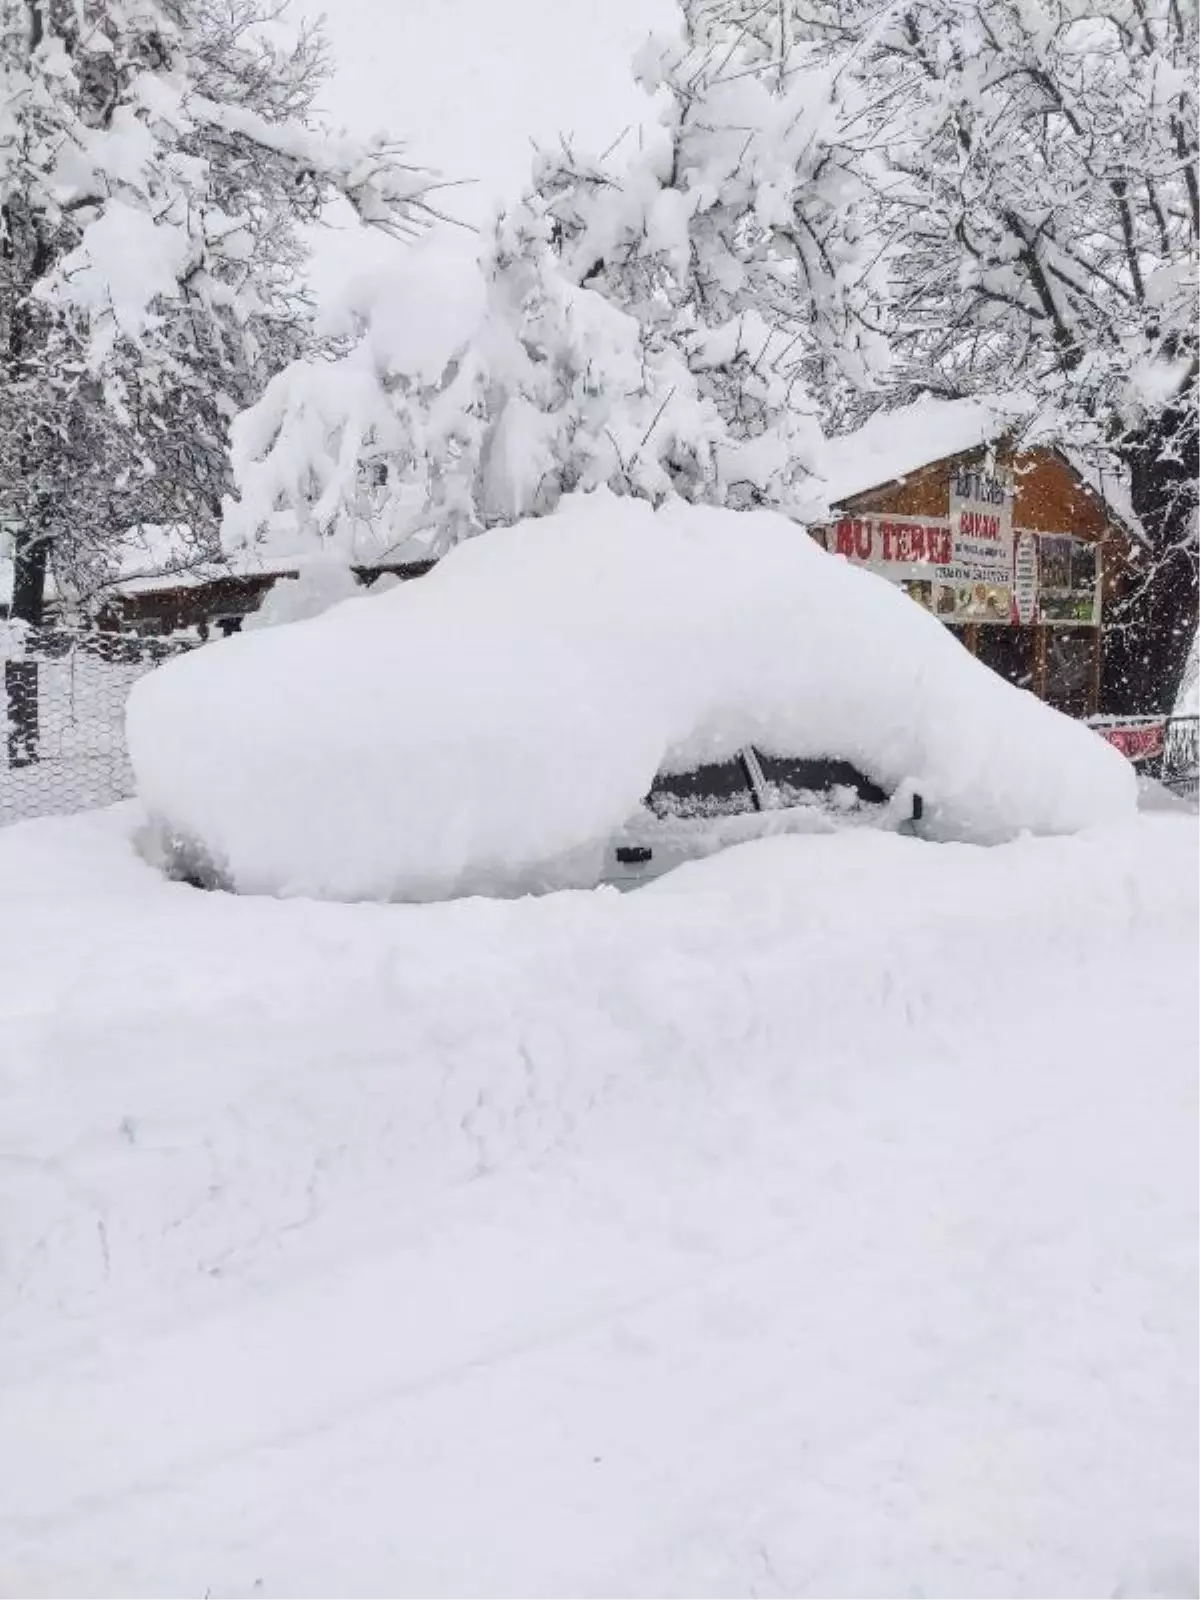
{"x": 920, "y": 590}
{"x": 1070, "y": 580}
{"x": 974, "y": 602}
{"x": 1055, "y": 554}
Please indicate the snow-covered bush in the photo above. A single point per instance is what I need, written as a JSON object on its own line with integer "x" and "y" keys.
{"x": 653, "y": 317}
{"x": 492, "y": 724}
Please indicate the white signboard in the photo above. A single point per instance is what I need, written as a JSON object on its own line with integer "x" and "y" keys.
{"x": 981, "y": 526}
{"x": 976, "y": 584}
{"x": 1025, "y": 579}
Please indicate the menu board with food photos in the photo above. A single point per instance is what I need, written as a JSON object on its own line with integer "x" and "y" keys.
{"x": 973, "y": 566}
{"x": 1069, "y": 581}
{"x": 974, "y": 602}
{"x": 976, "y": 584}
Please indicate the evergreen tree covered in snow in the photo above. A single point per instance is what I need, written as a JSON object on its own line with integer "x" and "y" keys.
{"x": 655, "y": 316}
{"x": 156, "y": 157}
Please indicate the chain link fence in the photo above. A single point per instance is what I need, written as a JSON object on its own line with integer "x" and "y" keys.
{"x": 1180, "y": 767}
{"x": 62, "y": 717}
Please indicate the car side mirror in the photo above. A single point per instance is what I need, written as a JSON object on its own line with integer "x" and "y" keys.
{"x": 632, "y": 854}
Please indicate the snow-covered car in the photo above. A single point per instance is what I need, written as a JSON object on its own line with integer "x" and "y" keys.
{"x": 494, "y": 727}
{"x": 701, "y": 810}
{"x": 688, "y": 815}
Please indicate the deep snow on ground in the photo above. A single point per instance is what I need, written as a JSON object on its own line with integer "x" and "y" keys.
{"x": 818, "y": 1221}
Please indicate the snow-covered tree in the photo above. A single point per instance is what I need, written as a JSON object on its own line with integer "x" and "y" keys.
{"x": 1043, "y": 175}
{"x": 655, "y": 315}
{"x": 554, "y": 390}
{"x": 736, "y": 236}
{"x": 156, "y": 159}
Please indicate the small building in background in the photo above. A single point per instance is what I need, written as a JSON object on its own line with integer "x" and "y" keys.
{"x": 162, "y": 582}
{"x": 1020, "y": 551}
{"x": 216, "y": 600}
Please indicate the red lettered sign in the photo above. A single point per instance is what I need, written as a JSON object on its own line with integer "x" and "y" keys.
{"x": 893, "y": 545}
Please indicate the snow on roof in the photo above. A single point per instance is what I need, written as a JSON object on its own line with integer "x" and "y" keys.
{"x": 161, "y": 556}
{"x": 154, "y": 558}
{"x": 167, "y": 560}
{"x": 149, "y": 557}
{"x": 190, "y": 570}
{"x": 894, "y": 444}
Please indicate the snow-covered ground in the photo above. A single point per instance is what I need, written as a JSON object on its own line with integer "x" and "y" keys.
{"x": 819, "y": 1221}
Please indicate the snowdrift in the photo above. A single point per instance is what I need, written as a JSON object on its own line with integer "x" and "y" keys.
{"x": 488, "y": 727}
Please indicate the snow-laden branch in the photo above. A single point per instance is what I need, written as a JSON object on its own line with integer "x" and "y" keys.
{"x": 385, "y": 190}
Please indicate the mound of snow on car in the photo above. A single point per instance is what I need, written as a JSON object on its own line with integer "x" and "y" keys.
{"x": 489, "y": 727}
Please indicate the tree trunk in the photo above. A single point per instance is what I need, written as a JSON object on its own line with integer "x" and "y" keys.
{"x": 21, "y": 676}
{"x": 31, "y": 553}
{"x": 31, "y": 547}
{"x": 1151, "y": 632}
{"x": 1147, "y": 644}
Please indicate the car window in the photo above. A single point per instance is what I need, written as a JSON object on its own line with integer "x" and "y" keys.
{"x": 716, "y": 789}
{"x": 793, "y": 781}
